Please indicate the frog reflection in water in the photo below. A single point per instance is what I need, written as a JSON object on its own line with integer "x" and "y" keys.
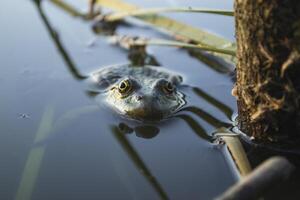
{"x": 144, "y": 93}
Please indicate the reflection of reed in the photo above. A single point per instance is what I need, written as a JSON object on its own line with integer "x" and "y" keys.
{"x": 141, "y": 166}
{"x": 196, "y": 127}
{"x": 54, "y": 35}
{"x": 212, "y": 61}
{"x": 207, "y": 117}
{"x": 218, "y": 104}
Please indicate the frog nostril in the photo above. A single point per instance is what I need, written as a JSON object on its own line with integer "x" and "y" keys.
{"x": 139, "y": 97}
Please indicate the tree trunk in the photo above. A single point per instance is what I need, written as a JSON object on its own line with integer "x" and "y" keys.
{"x": 268, "y": 69}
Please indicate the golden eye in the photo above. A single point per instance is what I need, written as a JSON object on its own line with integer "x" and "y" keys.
{"x": 124, "y": 86}
{"x": 168, "y": 88}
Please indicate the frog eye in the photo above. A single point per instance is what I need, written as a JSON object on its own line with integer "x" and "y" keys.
{"x": 124, "y": 86}
{"x": 168, "y": 88}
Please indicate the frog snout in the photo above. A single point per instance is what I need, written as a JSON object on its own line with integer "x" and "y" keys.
{"x": 139, "y": 97}
{"x": 145, "y": 99}
{"x": 146, "y": 107}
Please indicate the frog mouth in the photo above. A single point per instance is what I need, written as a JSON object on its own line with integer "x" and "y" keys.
{"x": 149, "y": 113}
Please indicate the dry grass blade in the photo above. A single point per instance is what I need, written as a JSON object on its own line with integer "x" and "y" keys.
{"x": 120, "y": 15}
{"x": 71, "y": 10}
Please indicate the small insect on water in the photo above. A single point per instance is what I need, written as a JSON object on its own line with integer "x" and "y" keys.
{"x": 24, "y": 116}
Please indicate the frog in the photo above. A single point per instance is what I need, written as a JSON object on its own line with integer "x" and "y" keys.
{"x": 142, "y": 93}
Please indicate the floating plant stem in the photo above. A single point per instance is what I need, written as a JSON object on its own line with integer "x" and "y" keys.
{"x": 140, "y": 12}
{"x": 127, "y": 42}
{"x": 238, "y": 153}
{"x": 188, "y": 45}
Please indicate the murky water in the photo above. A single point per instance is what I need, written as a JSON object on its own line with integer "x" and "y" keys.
{"x": 57, "y": 142}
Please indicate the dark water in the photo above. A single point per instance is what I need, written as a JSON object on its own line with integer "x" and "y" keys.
{"x": 56, "y": 142}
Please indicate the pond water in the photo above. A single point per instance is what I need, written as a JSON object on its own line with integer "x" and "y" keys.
{"x": 57, "y": 142}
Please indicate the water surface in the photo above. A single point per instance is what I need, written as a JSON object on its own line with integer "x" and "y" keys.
{"x": 83, "y": 154}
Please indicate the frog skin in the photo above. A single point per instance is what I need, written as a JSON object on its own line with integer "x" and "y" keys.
{"x": 144, "y": 93}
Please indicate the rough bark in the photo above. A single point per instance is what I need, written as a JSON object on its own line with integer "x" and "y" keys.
{"x": 268, "y": 69}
